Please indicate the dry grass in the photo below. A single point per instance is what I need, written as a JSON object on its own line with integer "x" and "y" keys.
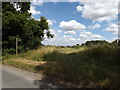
{"x": 44, "y": 50}
{"x": 89, "y": 67}
{"x": 31, "y": 62}
{"x": 71, "y": 50}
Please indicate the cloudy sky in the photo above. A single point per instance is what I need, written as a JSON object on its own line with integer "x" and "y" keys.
{"x": 76, "y": 22}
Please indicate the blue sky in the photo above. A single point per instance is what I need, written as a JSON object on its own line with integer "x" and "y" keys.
{"x": 76, "y": 22}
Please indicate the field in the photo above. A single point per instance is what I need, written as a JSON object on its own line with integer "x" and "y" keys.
{"x": 73, "y": 67}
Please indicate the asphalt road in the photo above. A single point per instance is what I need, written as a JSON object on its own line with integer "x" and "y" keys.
{"x": 17, "y": 78}
{"x": 13, "y": 80}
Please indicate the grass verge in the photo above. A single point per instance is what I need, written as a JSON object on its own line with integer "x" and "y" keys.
{"x": 84, "y": 67}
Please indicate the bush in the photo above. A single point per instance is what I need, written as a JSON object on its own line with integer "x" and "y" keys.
{"x": 7, "y": 52}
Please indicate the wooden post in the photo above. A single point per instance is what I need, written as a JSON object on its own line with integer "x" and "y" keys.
{"x": 16, "y": 45}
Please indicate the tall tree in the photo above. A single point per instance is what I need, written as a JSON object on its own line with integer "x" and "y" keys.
{"x": 20, "y": 24}
{"x": 25, "y": 6}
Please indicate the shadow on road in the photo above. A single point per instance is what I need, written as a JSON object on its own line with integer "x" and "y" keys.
{"x": 46, "y": 83}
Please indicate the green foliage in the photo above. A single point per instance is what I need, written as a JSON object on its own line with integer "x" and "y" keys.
{"x": 36, "y": 58}
{"x": 114, "y": 43}
{"x": 25, "y": 6}
{"x": 20, "y": 24}
{"x": 101, "y": 43}
{"x": 96, "y": 43}
{"x": 6, "y": 52}
{"x": 7, "y": 6}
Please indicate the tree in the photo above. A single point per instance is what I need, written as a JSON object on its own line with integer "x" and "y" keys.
{"x": 96, "y": 43}
{"x": 114, "y": 43}
{"x": 20, "y": 24}
{"x": 25, "y": 6}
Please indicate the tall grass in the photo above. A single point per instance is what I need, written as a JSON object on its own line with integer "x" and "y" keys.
{"x": 34, "y": 54}
{"x": 96, "y": 66}
{"x": 44, "y": 50}
{"x": 93, "y": 67}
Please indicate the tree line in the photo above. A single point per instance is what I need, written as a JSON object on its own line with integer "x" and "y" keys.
{"x": 115, "y": 43}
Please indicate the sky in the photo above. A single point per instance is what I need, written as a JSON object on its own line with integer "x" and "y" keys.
{"x": 77, "y": 22}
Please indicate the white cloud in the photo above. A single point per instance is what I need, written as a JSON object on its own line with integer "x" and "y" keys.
{"x": 54, "y": 1}
{"x": 70, "y": 32}
{"x": 112, "y": 28}
{"x": 85, "y": 35}
{"x": 37, "y": 2}
{"x": 112, "y": 39}
{"x": 65, "y": 36}
{"x": 71, "y": 40}
{"x": 72, "y": 0}
{"x": 100, "y": 11}
{"x": 71, "y": 25}
{"x": 59, "y": 31}
{"x": 79, "y": 8}
{"x": 51, "y": 22}
{"x": 63, "y": 41}
{"x": 97, "y": 37}
{"x": 96, "y": 26}
{"x": 68, "y": 37}
{"x": 33, "y": 11}
{"x": 52, "y": 31}
{"x": 92, "y": 1}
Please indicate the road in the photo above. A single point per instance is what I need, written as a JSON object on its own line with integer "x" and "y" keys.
{"x": 17, "y": 78}
{"x": 12, "y": 80}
